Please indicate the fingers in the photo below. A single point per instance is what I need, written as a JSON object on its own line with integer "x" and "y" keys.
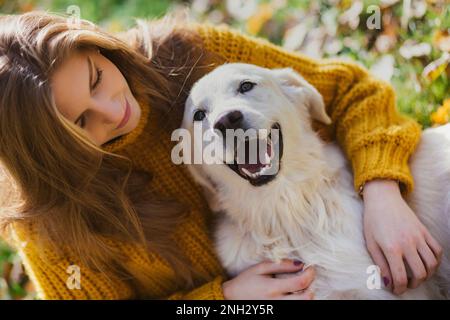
{"x": 434, "y": 246}
{"x": 422, "y": 260}
{"x": 429, "y": 259}
{"x": 286, "y": 265}
{"x": 299, "y": 282}
{"x": 419, "y": 273}
{"x": 398, "y": 270}
{"x": 380, "y": 260}
{"x": 304, "y": 295}
{"x": 293, "y": 284}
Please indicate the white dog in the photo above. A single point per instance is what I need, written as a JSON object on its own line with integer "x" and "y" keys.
{"x": 307, "y": 209}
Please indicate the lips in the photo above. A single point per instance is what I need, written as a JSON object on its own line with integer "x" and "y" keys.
{"x": 126, "y": 116}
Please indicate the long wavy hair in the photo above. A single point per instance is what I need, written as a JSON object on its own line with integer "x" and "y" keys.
{"x": 74, "y": 194}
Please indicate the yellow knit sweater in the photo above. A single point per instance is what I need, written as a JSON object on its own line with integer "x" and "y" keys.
{"x": 375, "y": 137}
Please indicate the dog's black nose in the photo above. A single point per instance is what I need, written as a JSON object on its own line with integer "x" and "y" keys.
{"x": 232, "y": 120}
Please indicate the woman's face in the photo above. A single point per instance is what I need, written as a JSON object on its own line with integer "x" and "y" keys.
{"x": 90, "y": 91}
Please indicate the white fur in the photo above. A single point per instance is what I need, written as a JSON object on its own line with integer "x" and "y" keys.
{"x": 310, "y": 211}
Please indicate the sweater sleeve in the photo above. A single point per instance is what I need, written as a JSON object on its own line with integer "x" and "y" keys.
{"x": 375, "y": 137}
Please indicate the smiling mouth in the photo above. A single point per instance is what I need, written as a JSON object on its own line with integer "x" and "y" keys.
{"x": 258, "y": 172}
{"x": 126, "y": 116}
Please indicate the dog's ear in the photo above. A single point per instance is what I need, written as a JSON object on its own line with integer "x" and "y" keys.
{"x": 298, "y": 89}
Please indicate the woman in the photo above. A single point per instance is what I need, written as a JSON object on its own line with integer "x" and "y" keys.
{"x": 106, "y": 214}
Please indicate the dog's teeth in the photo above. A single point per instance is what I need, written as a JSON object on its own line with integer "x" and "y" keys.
{"x": 267, "y": 160}
{"x": 248, "y": 173}
{"x": 263, "y": 170}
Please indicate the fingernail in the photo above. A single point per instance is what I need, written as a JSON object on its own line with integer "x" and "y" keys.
{"x": 297, "y": 262}
{"x": 386, "y": 281}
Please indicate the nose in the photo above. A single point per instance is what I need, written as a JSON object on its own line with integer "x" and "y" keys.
{"x": 231, "y": 120}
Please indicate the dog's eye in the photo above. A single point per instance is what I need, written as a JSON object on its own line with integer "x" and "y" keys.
{"x": 246, "y": 86}
{"x": 199, "y": 115}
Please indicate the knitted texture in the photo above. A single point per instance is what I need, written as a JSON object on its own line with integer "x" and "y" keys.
{"x": 375, "y": 137}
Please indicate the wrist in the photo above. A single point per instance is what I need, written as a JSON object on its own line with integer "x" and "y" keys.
{"x": 226, "y": 289}
{"x": 378, "y": 187}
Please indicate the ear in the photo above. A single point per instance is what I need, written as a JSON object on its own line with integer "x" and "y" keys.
{"x": 298, "y": 90}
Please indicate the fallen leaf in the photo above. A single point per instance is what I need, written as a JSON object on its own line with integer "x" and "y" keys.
{"x": 411, "y": 49}
{"x": 294, "y": 36}
{"x": 385, "y": 43}
{"x": 262, "y": 15}
{"x": 350, "y": 17}
{"x": 441, "y": 40}
{"x": 384, "y": 68}
{"x": 240, "y": 9}
{"x": 442, "y": 114}
{"x": 436, "y": 68}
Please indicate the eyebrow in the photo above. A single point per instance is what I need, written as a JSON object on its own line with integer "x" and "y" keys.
{"x": 90, "y": 67}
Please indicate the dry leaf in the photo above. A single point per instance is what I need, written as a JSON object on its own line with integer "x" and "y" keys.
{"x": 442, "y": 114}
{"x": 384, "y": 67}
{"x": 388, "y": 3}
{"x": 241, "y": 9}
{"x": 262, "y": 15}
{"x": 312, "y": 46}
{"x": 441, "y": 40}
{"x": 411, "y": 49}
{"x": 351, "y": 16}
{"x": 437, "y": 67}
{"x": 294, "y": 36}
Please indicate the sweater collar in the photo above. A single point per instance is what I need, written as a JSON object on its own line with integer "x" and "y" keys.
{"x": 128, "y": 138}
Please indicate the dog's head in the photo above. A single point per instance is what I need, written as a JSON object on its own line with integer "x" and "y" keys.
{"x": 273, "y": 106}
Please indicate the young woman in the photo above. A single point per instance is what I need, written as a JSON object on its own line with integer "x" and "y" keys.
{"x": 85, "y": 124}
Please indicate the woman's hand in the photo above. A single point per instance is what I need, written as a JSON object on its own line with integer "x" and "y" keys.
{"x": 258, "y": 282}
{"x": 397, "y": 241}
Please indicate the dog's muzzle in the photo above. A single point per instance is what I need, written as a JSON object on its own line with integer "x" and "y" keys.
{"x": 265, "y": 165}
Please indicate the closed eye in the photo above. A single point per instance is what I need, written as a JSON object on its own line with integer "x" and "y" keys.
{"x": 93, "y": 83}
{"x": 98, "y": 79}
{"x": 82, "y": 120}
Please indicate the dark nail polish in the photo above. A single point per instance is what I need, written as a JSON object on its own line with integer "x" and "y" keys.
{"x": 297, "y": 262}
{"x": 386, "y": 281}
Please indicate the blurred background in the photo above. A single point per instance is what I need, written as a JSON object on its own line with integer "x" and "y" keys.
{"x": 406, "y": 43}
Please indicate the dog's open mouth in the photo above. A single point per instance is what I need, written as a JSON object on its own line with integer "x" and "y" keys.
{"x": 264, "y": 166}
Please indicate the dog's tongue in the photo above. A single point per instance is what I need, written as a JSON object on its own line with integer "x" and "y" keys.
{"x": 253, "y": 168}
